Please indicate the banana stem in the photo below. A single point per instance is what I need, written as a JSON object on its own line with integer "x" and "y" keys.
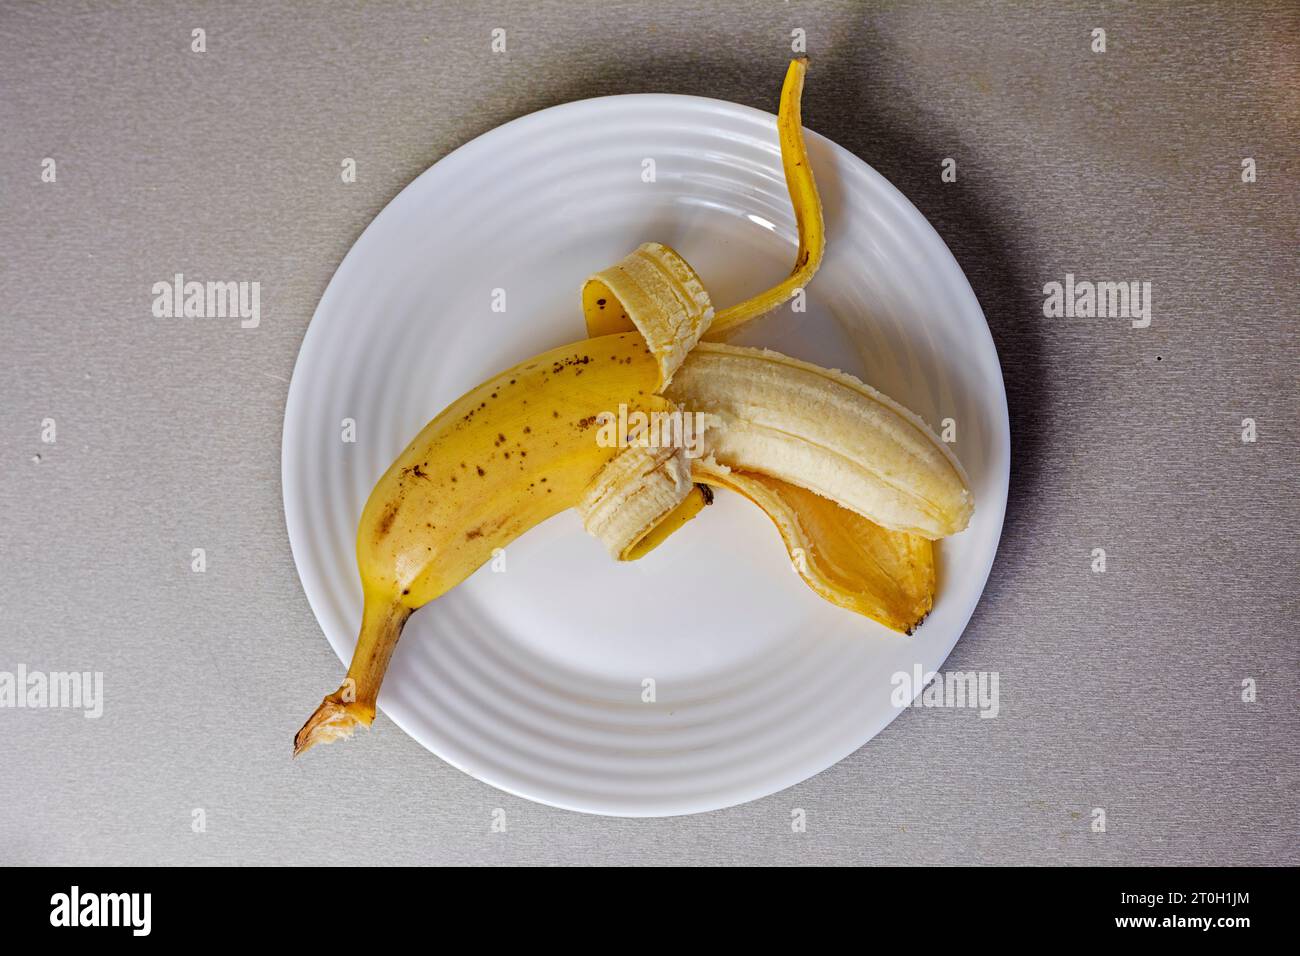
{"x": 807, "y": 210}
{"x": 354, "y": 702}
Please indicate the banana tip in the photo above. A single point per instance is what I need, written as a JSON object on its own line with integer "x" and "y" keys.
{"x": 333, "y": 720}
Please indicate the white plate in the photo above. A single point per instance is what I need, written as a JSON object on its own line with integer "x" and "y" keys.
{"x": 532, "y": 679}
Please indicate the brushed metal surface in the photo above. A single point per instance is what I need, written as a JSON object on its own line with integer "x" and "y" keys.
{"x": 1119, "y": 690}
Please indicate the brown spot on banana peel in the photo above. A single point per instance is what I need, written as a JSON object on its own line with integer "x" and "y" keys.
{"x": 386, "y": 522}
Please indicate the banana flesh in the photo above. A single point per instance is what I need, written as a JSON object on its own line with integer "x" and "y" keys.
{"x": 645, "y": 493}
{"x": 655, "y": 292}
{"x": 825, "y": 431}
{"x": 634, "y": 494}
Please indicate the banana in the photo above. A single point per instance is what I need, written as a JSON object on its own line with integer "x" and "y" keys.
{"x": 825, "y": 431}
{"x": 856, "y": 485}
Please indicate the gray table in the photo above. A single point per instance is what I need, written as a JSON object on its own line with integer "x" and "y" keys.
{"x": 1119, "y": 690}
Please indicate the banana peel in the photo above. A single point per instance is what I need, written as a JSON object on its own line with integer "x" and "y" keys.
{"x": 888, "y": 576}
{"x": 606, "y": 311}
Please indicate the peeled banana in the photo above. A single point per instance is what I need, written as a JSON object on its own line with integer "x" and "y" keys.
{"x": 825, "y": 431}
{"x": 857, "y": 486}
